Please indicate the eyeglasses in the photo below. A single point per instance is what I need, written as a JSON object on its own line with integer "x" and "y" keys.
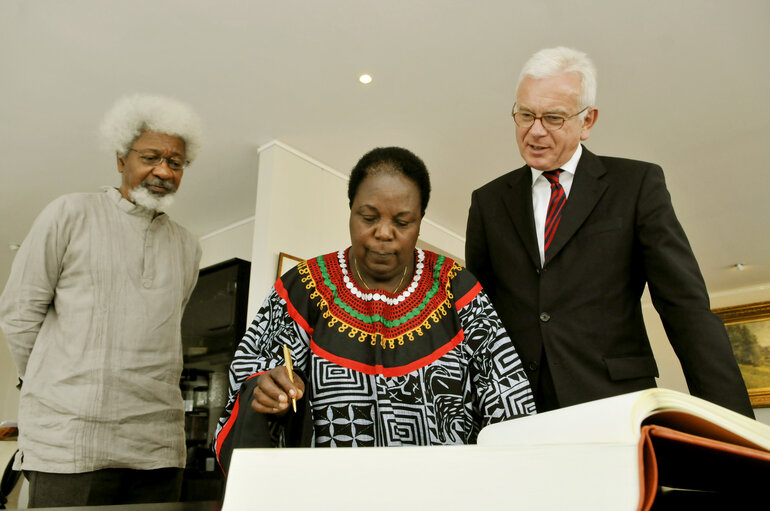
{"x": 551, "y": 122}
{"x": 152, "y": 159}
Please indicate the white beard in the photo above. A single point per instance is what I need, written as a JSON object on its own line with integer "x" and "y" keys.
{"x": 143, "y": 197}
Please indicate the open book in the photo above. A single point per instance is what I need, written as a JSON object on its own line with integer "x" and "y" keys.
{"x": 593, "y": 456}
{"x": 676, "y": 441}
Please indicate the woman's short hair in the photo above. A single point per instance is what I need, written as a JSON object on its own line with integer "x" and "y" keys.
{"x": 554, "y": 61}
{"x": 132, "y": 115}
{"x": 391, "y": 159}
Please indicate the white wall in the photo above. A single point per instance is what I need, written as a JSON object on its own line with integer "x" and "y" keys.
{"x": 227, "y": 243}
{"x": 301, "y": 210}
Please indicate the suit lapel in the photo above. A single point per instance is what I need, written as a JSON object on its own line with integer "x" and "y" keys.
{"x": 587, "y": 189}
{"x": 518, "y": 203}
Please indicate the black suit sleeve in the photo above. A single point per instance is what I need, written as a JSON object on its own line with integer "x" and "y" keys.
{"x": 679, "y": 295}
{"x": 477, "y": 259}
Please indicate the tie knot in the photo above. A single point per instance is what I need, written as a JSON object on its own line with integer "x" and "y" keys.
{"x": 552, "y": 176}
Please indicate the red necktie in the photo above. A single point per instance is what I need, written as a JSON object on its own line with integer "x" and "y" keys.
{"x": 555, "y": 205}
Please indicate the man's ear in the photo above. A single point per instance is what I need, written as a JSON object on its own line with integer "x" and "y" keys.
{"x": 588, "y": 122}
{"x": 121, "y": 162}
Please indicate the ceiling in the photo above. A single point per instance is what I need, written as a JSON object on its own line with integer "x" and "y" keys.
{"x": 682, "y": 83}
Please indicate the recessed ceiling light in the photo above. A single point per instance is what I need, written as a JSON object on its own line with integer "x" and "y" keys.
{"x": 365, "y": 79}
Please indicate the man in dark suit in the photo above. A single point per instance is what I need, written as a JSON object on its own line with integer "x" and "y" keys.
{"x": 565, "y": 255}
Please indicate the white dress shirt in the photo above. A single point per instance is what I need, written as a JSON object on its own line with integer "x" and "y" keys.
{"x": 541, "y": 195}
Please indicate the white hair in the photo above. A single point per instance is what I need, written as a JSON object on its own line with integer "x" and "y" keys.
{"x": 555, "y": 61}
{"x": 142, "y": 197}
{"x": 132, "y": 115}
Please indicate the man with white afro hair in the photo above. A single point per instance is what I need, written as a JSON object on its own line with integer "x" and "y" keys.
{"x": 138, "y": 118}
{"x": 92, "y": 313}
{"x": 131, "y": 115}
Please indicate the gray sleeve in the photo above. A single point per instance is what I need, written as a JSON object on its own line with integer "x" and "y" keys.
{"x": 31, "y": 285}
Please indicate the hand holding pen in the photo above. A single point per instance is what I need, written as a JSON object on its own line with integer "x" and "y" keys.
{"x": 290, "y": 370}
{"x": 276, "y": 387}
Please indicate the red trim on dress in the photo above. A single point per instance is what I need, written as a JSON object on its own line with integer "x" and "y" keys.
{"x": 293, "y": 312}
{"x": 389, "y": 371}
{"x": 226, "y": 430}
{"x": 470, "y": 295}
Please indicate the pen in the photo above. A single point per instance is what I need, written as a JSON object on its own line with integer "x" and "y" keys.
{"x": 287, "y": 357}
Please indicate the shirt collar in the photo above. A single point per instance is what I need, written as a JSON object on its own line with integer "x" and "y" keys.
{"x": 128, "y": 206}
{"x": 568, "y": 167}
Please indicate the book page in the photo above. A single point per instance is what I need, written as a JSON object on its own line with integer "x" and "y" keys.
{"x": 619, "y": 419}
{"x": 607, "y": 420}
{"x": 696, "y": 416}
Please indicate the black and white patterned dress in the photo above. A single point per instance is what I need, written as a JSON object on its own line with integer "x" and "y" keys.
{"x": 430, "y": 366}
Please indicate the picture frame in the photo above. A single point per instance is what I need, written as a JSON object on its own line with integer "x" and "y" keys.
{"x": 748, "y": 327}
{"x": 286, "y": 262}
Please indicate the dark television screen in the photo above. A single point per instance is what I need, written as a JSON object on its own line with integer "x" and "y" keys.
{"x": 214, "y": 320}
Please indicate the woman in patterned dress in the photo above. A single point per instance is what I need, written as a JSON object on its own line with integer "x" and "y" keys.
{"x": 391, "y": 345}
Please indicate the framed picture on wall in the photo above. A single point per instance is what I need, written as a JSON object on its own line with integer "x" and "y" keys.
{"x": 286, "y": 262}
{"x": 748, "y": 327}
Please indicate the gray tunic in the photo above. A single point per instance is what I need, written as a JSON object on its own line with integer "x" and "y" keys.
{"x": 92, "y": 312}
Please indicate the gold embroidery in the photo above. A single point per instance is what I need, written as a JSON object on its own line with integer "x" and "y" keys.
{"x": 377, "y": 338}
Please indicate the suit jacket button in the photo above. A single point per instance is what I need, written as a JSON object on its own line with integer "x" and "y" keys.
{"x": 532, "y": 366}
{"x": 545, "y": 317}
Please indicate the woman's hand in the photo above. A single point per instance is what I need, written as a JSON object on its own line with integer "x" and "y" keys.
{"x": 275, "y": 390}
